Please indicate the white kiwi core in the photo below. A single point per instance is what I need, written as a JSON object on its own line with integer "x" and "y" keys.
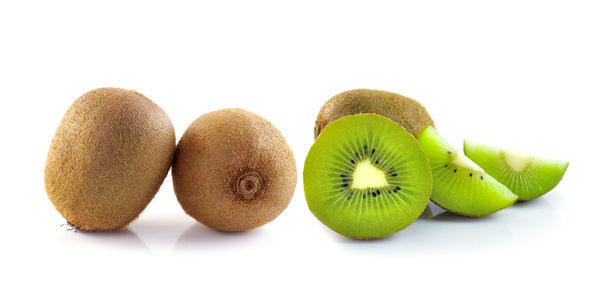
{"x": 517, "y": 161}
{"x": 366, "y": 175}
{"x": 463, "y": 161}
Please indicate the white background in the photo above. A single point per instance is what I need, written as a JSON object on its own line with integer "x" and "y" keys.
{"x": 517, "y": 74}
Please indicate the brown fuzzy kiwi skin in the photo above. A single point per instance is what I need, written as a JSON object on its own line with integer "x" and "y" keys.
{"x": 233, "y": 171}
{"x": 405, "y": 111}
{"x": 108, "y": 158}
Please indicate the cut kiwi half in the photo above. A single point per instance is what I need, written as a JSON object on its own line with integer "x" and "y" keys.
{"x": 525, "y": 175}
{"x": 460, "y": 185}
{"x": 366, "y": 177}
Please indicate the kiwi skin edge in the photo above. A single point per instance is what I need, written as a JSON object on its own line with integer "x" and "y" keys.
{"x": 108, "y": 158}
{"x": 380, "y": 237}
{"x": 471, "y": 215}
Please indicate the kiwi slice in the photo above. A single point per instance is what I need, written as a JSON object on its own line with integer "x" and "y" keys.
{"x": 525, "y": 175}
{"x": 460, "y": 185}
{"x": 366, "y": 177}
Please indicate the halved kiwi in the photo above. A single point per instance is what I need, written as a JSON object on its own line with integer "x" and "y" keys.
{"x": 525, "y": 175}
{"x": 460, "y": 185}
{"x": 366, "y": 177}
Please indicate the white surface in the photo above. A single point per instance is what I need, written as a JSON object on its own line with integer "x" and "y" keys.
{"x": 515, "y": 74}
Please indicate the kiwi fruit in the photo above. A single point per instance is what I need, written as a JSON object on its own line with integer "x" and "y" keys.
{"x": 525, "y": 175}
{"x": 109, "y": 156}
{"x": 405, "y": 111}
{"x": 233, "y": 170}
{"x": 460, "y": 185}
{"x": 365, "y": 177}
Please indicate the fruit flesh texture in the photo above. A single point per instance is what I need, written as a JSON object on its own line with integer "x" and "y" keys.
{"x": 233, "y": 170}
{"x": 405, "y": 111}
{"x": 460, "y": 185}
{"x": 366, "y": 177}
{"x": 525, "y": 175}
{"x": 109, "y": 156}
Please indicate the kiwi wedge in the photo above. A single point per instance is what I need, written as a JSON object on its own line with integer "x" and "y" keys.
{"x": 405, "y": 111}
{"x": 525, "y": 175}
{"x": 366, "y": 177}
{"x": 460, "y": 185}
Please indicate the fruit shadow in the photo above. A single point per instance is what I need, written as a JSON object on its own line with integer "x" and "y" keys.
{"x": 199, "y": 238}
{"x": 438, "y": 231}
{"x": 122, "y": 239}
{"x": 540, "y": 215}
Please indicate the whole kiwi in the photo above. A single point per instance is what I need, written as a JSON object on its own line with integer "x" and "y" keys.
{"x": 405, "y": 111}
{"x": 233, "y": 170}
{"x": 109, "y": 156}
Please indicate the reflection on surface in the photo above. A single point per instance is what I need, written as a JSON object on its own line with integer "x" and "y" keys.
{"x": 201, "y": 238}
{"x": 160, "y": 230}
{"x": 440, "y": 231}
{"x": 436, "y": 231}
{"x": 118, "y": 239}
{"x": 532, "y": 219}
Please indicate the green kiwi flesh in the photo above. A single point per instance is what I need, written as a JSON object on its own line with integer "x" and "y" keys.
{"x": 366, "y": 177}
{"x": 405, "y": 111}
{"x": 109, "y": 156}
{"x": 460, "y": 185}
{"x": 233, "y": 170}
{"x": 525, "y": 175}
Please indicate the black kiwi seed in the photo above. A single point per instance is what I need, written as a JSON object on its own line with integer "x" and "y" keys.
{"x": 395, "y": 174}
{"x": 356, "y": 154}
{"x": 470, "y": 174}
{"x": 352, "y": 161}
{"x": 342, "y": 175}
{"x": 376, "y": 162}
{"x": 364, "y": 195}
{"x": 481, "y": 177}
{"x": 398, "y": 188}
{"x": 345, "y": 185}
{"x": 378, "y": 192}
{"x": 373, "y": 151}
{"x": 374, "y": 194}
{"x": 454, "y": 170}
